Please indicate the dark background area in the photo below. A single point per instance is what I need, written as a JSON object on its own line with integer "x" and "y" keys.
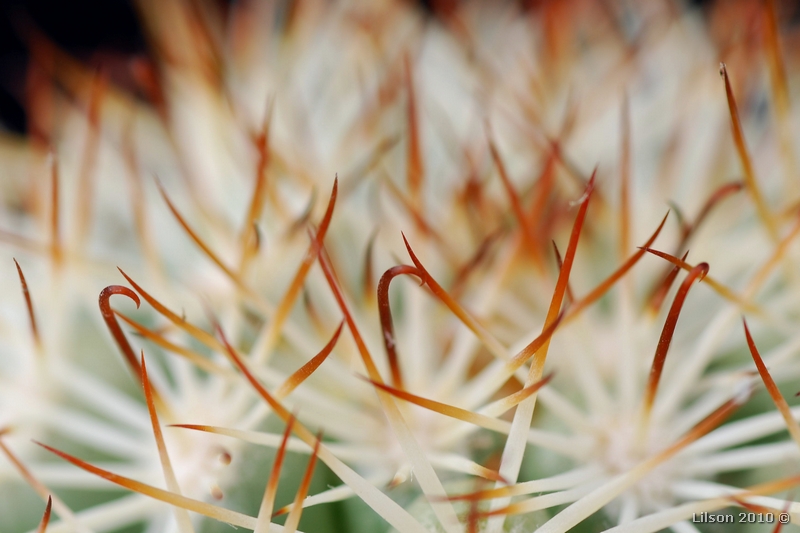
{"x": 79, "y": 26}
{"x": 82, "y": 28}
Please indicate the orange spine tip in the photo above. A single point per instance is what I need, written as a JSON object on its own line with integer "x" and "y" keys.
{"x": 55, "y": 223}
{"x": 293, "y": 520}
{"x": 481, "y": 256}
{"x": 414, "y": 169}
{"x": 258, "y": 198}
{"x": 369, "y": 277}
{"x": 330, "y": 277}
{"x": 302, "y": 219}
{"x": 709, "y": 423}
{"x": 385, "y": 312}
{"x": 46, "y": 516}
{"x": 719, "y": 288}
{"x": 553, "y": 312}
{"x": 780, "y": 251}
{"x": 317, "y": 239}
{"x": 193, "y": 235}
{"x": 303, "y": 373}
{"x": 696, "y": 274}
{"x": 516, "y": 202}
{"x": 772, "y": 388}
{"x": 560, "y": 264}
{"x": 720, "y": 194}
{"x": 744, "y": 157}
{"x": 29, "y": 304}
{"x": 158, "y": 339}
{"x": 184, "y": 524}
{"x": 625, "y": 180}
{"x": 113, "y": 326}
{"x": 268, "y": 501}
{"x": 661, "y": 290}
{"x": 190, "y": 504}
{"x": 535, "y": 345}
{"x": 416, "y": 214}
{"x": 468, "y": 320}
{"x": 458, "y": 413}
{"x": 180, "y": 321}
{"x": 513, "y": 399}
{"x": 543, "y": 193}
